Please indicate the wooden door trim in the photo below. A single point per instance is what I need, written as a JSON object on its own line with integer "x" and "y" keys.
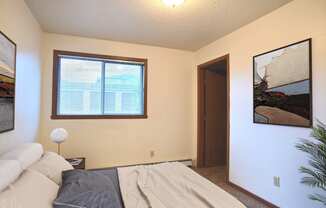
{"x": 201, "y": 110}
{"x": 201, "y": 127}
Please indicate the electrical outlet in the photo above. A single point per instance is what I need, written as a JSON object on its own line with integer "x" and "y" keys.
{"x": 152, "y": 153}
{"x": 276, "y": 180}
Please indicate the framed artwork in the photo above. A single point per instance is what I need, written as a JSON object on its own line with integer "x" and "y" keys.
{"x": 283, "y": 86}
{"x": 7, "y": 83}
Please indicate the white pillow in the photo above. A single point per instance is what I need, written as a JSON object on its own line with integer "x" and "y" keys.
{"x": 51, "y": 165}
{"x": 8, "y": 199}
{"x": 26, "y": 154}
{"x": 9, "y": 172}
{"x": 34, "y": 190}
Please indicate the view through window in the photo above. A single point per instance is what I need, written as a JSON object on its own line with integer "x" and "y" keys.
{"x": 88, "y": 86}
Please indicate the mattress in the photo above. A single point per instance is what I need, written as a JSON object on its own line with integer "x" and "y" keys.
{"x": 166, "y": 185}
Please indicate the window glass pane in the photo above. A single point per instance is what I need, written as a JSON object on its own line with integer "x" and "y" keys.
{"x": 80, "y": 87}
{"x": 110, "y": 101}
{"x": 123, "y": 89}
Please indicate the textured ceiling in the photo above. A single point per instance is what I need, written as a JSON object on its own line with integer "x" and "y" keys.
{"x": 190, "y": 26}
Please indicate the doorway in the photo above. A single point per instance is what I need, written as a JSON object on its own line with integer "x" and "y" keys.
{"x": 213, "y": 114}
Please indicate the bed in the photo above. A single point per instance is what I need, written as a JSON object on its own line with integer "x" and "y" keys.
{"x": 31, "y": 178}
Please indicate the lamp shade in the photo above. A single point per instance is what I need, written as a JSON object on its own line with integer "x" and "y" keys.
{"x": 59, "y": 135}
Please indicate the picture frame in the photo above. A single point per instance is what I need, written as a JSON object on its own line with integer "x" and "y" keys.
{"x": 8, "y": 52}
{"x": 282, "y": 86}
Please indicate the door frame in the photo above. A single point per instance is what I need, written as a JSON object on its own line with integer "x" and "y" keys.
{"x": 201, "y": 110}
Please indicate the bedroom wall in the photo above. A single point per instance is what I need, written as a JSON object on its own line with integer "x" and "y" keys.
{"x": 112, "y": 142}
{"x": 17, "y": 22}
{"x": 259, "y": 152}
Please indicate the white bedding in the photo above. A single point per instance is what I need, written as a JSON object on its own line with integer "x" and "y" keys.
{"x": 171, "y": 185}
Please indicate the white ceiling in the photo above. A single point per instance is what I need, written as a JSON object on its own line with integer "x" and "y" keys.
{"x": 190, "y": 26}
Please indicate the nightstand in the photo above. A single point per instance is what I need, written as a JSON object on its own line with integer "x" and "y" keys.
{"x": 77, "y": 162}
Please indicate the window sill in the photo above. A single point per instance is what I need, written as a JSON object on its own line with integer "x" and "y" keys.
{"x": 58, "y": 117}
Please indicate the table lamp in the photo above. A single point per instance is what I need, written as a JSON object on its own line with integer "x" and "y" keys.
{"x": 59, "y": 135}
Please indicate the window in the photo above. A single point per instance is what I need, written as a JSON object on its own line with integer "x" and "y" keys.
{"x": 98, "y": 86}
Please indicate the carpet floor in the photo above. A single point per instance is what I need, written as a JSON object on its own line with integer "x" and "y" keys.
{"x": 217, "y": 175}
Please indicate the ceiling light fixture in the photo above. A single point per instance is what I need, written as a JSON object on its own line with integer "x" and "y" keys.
{"x": 173, "y": 3}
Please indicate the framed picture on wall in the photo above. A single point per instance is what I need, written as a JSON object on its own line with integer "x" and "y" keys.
{"x": 283, "y": 86}
{"x": 7, "y": 83}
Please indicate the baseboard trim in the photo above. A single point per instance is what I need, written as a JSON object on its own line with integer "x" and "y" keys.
{"x": 187, "y": 162}
{"x": 261, "y": 200}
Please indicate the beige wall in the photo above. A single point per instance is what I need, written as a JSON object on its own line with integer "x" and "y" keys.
{"x": 259, "y": 152}
{"x": 111, "y": 142}
{"x": 17, "y": 22}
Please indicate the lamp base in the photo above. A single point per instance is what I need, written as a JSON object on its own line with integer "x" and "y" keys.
{"x": 59, "y": 149}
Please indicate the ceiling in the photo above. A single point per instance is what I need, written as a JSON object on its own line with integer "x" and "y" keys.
{"x": 190, "y": 26}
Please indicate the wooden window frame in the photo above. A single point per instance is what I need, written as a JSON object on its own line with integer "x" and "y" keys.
{"x": 55, "y": 86}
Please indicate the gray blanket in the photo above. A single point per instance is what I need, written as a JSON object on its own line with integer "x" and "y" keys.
{"x": 89, "y": 189}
